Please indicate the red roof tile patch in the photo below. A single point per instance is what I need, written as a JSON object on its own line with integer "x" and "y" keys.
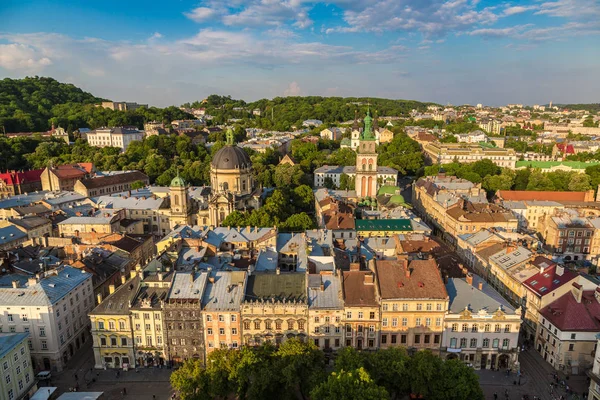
{"x": 549, "y": 280}
{"x": 530, "y": 195}
{"x": 568, "y": 315}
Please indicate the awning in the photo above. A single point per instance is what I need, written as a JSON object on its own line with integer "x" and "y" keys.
{"x": 451, "y": 350}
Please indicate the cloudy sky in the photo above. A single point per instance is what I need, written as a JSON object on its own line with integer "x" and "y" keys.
{"x": 171, "y": 52}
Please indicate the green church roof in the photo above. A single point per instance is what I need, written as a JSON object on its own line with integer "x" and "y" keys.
{"x": 550, "y": 164}
{"x": 387, "y": 189}
{"x": 177, "y": 181}
{"x": 383, "y": 225}
{"x": 397, "y": 199}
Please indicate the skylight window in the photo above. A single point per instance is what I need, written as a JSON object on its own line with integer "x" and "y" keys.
{"x": 543, "y": 289}
{"x": 534, "y": 283}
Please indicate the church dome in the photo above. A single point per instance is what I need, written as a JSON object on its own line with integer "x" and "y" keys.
{"x": 177, "y": 182}
{"x": 231, "y": 157}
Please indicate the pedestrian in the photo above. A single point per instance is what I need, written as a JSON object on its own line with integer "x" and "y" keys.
{"x": 519, "y": 381}
{"x": 75, "y": 376}
{"x": 495, "y": 396}
{"x": 124, "y": 390}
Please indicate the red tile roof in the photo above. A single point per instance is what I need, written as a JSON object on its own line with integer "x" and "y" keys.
{"x": 16, "y": 178}
{"x": 73, "y": 170}
{"x": 358, "y": 293}
{"x": 550, "y": 279}
{"x": 568, "y": 315}
{"x": 529, "y": 195}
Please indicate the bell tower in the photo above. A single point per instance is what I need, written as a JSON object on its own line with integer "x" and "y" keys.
{"x": 180, "y": 203}
{"x": 366, "y": 161}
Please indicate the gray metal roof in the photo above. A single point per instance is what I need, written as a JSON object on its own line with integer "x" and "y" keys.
{"x": 331, "y": 295}
{"x": 225, "y": 292}
{"x": 134, "y": 203}
{"x": 462, "y": 295}
{"x": 188, "y": 285}
{"x": 49, "y": 290}
{"x": 11, "y": 233}
{"x": 8, "y": 341}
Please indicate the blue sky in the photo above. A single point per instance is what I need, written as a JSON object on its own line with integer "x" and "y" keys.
{"x": 171, "y": 52}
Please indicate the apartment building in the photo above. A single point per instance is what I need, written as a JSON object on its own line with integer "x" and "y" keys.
{"x": 119, "y": 137}
{"x": 361, "y": 308}
{"x": 19, "y": 380}
{"x": 566, "y": 335}
{"x": 445, "y": 153}
{"x": 52, "y": 309}
{"x": 122, "y": 105}
{"x": 413, "y": 303}
{"x": 275, "y": 308}
{"x": 481, "y": 328}
{"x": 551, "y": 282}
{"x": 15, "y": 182}
{"x": 569, "y": 236}
{"x": 109, "y": 184}
{"x": 113, "y": 342}
{"x": 183, "y": 317}
{"x": 64, "y": 177}
{"x": 325, "y": 310}
{"x": 221, "y": 303}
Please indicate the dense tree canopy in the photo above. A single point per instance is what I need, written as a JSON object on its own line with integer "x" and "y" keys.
{"x": 297, "y": 370}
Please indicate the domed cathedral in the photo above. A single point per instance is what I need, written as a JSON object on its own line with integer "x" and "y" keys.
{"x": 232, "y": 181}
{"x": 366, "y": 161}
{"x": 181, "y": 206}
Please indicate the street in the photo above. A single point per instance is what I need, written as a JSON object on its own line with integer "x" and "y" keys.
{"x": 535, "y": 381}
{"x": 144, "y": 384}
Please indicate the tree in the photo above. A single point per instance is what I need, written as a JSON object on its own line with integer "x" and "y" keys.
{"x": 236, "y": 218}
{"x": 329, "y": 183}
{"x": 504, "y": 181}
{"x": 344, "y": 182}
{"x": 522, "y": 179}
{"x": 303, "y": 197}
{"x": 137, "y": 185}
{"x": 192, "y": 381}
{"x": 349, "y": 359}
{"x": 298, "y": 223}
{"x": 423, "y": 370}
{"x": 485, "y": 167}
{"x": 349, "y": 385}
{"x": 456, "y": 381}
{"x": 300, "y": 365}
{"x": 539, "y": 181}
{"x": 289, "y": 176}
{"x": 389, "y": 368}
{"x": 580, "y": 183}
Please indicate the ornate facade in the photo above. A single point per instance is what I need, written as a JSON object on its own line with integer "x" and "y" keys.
{"x": 366, "y": 162}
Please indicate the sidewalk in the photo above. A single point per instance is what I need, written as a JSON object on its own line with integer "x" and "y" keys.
{"x": 142, "y": 375}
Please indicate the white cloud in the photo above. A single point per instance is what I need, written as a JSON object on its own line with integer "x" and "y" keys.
{"x": 293, "y": 89}
{"x": 576, "y": 9}
{"x": 15, "y": 56}
{"x": 202, "y": 14}
{"x": 514, "y": 10}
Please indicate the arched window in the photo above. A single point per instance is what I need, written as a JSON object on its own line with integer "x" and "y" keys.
{"x": 176, "y": 199}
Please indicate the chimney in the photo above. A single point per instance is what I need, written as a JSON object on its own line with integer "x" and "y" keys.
{"x": 161, "y": 276}
{"x": 577, "y": 291}
{"x": 469, "y": 279}
{"x": 32, "y": 281}
{"x": 16, "y": 284}
{"x": 355, "y": 266}
{"x": 99, "y": 298}
{"x": 322, "y": 287}
{"x": 369, "y": 279}
{"x": 111, "y": 289}
{"x": 123, "y": 279}
{"x": 407, "y": 272}
{"x": 211, "y": 279}
{"x": 480, "y": 285}
{"x": 278, "y": 270}
{"x": 560, "y": 270}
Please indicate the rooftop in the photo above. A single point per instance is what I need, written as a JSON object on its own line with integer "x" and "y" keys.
{"x": 8, "y": 341}
{"x": 224, "y": 291}
{"x": 528, "y": 195}
{"x": 417, "y": 279}
{"x": 568, "y": 315}
{"x": 550, "y": 277}
{"x": 285, "y": 286}
{"x": 359, "y": 289}
{"x": 324, "y": 291}
{"x": 463, "y": 296}
{"x": 125, "y": 177}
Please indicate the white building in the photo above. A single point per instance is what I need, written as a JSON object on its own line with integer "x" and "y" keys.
{"x": 18, "y": 377}
{"x": 114, "y": 137}
{"x": 387, "y": 175}
{"x": 52, "y": 309}
{"x": 471, "y": 137}
{"x": 332, "y": 133}
{"x": 480, "y": 327}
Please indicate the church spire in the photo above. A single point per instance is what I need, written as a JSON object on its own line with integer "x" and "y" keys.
{"x": 367, "y": 133}
{"x": 375, "y": 124}
{"x": 355, "y": 125}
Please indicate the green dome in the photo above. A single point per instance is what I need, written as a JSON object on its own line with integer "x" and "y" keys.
{"x": 396, "y": 199}
{"x": 177, "y": 182}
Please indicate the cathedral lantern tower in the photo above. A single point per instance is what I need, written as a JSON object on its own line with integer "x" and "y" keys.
{"x": 366, "y": 161}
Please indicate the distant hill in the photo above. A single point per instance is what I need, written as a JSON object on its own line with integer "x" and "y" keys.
{"x": 26, "y": 104}
{"x": 592, "y": 107}
{"x": 32, "y": 104}
{"x": 281, "y": 113}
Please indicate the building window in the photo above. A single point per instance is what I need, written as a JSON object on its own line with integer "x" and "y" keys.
{"x": 505, "y": 343}
{"x": 301, "y": 325}
{"x": 571, "y": 346}
{"x": 438, "y": 321}
{"x": 268, "y": 325}
{"x": 122, "y": 325}
{"x": 384, "y": 307}
{"x": 454, "y": 327}
{"x": 405, "y": 307}
{"x": 123, "y": 341}
{"x": 497, "y": 328}
{"x": 394, "y": 322}
{"x": 209, "y": 331}
{"x": 473, "y": 343}
{"x": 417, "y": 339}
{"x": 113, "y": 341}
{"x": 247, "y": 325}
{"x": 495, "y": 343}
{"x": 360, "y": 315}
{"x": 436, "y": 339}
{"x": 383, "y": 339}
{"x": 372, "y": 315}
{"x": 256, "y": 324}
{"x": 507, "y": 328}
{"x": 463, "y": 343}
{"x": 474, "y": 328}
{"x": 486, "y": 343}
{"x": 438, "y": 306}
{"x": 487, "y": 327}
{"x": 428, "y": 307}
{"x": 465, "y": 327}
{"x": 349, "y": 314}
{"x": 102, "y": 341}
{"x": 384, "y": 322}
{"x": 234, "y": 331}
{"x": 427, "y": 321}
{"x": 419, "y": 306}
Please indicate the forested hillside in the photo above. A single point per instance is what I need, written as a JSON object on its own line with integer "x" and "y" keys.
{"x": 32, "y": 104}
{"x": 283, "y": 113}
